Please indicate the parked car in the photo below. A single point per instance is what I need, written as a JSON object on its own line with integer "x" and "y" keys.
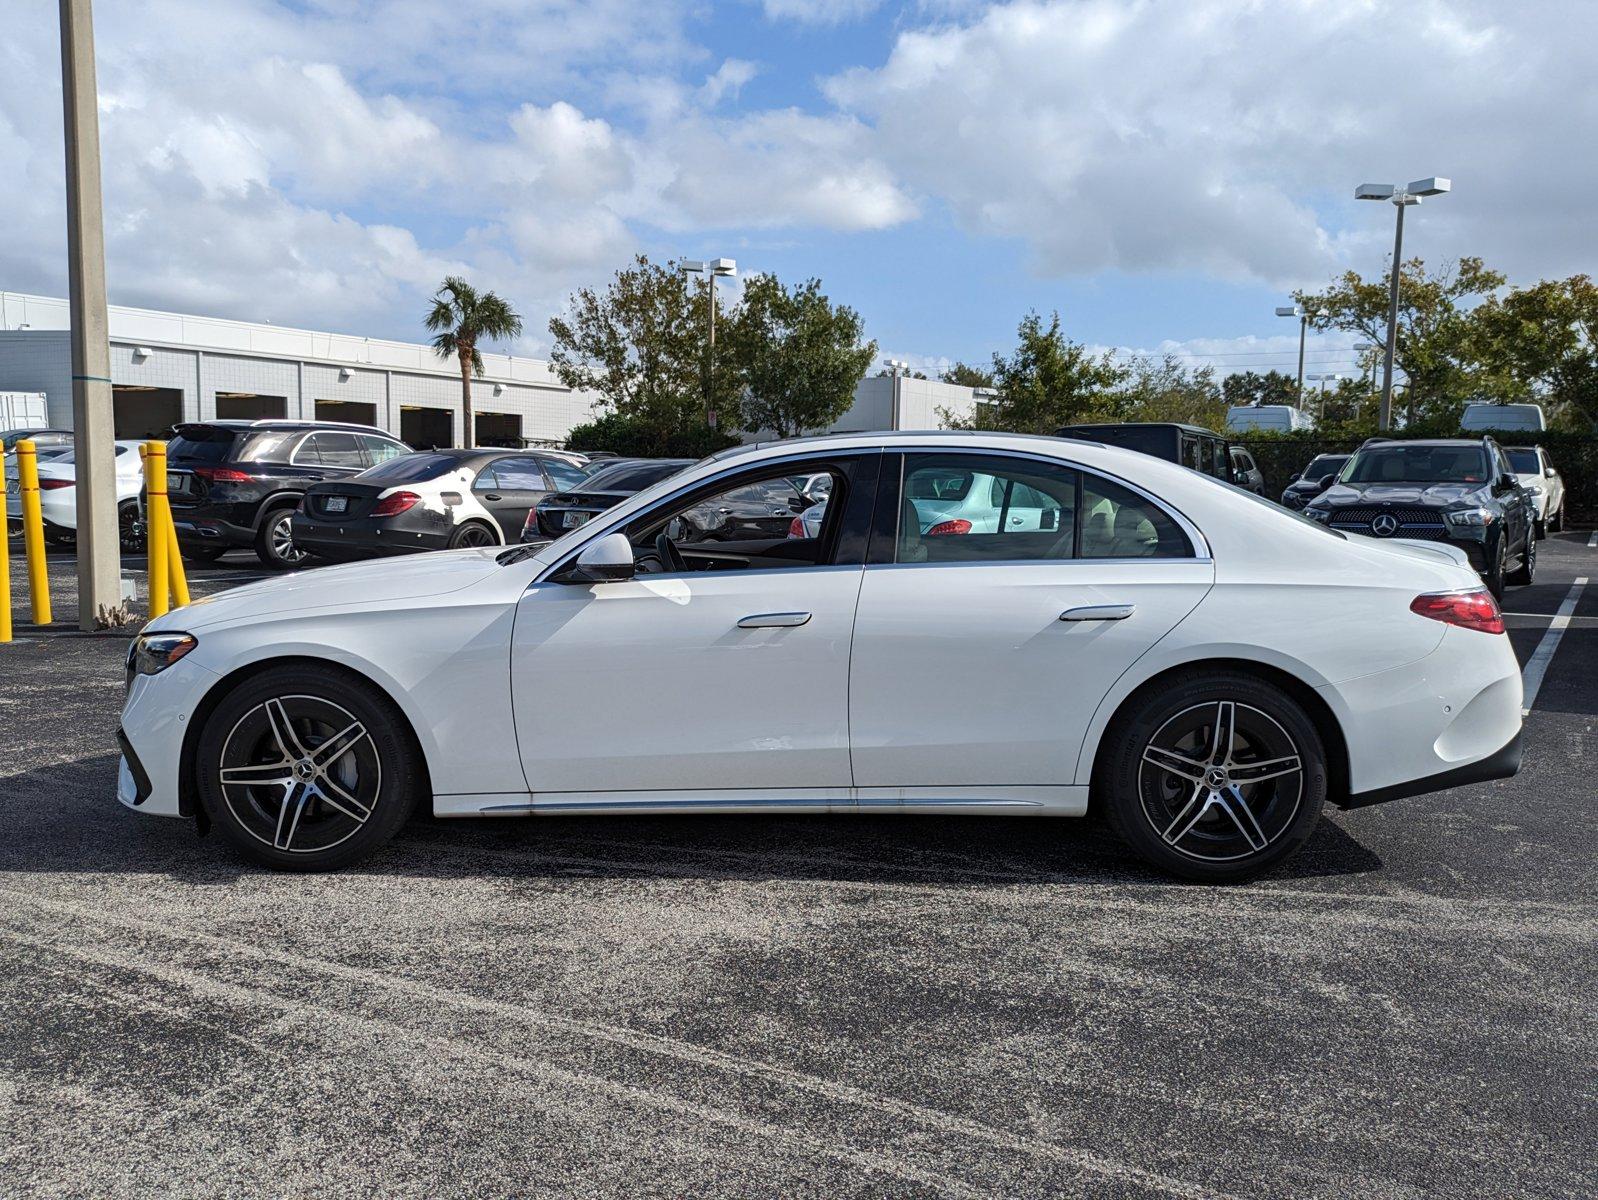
{"x": 430, "y": 500}
{"x": 1308, "y": 483}
{"x": 1537, "y": 475}
{"x": 614, "y": 481}
{"x": 1504, "y": 417}
{"x": 1207, "y": 689}
{"x": 1460, "y": 492}
{"x": 1204, "y": 450}
{"x": 1282, "y": 417}
{"x": 58, "y": 495}
{"x": 234, "y": 484}
{"x": 42, "y": 440}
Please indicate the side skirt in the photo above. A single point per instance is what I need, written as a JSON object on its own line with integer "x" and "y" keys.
{"x": 1063, "y": 801}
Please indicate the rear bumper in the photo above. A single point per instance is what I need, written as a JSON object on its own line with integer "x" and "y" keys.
{"x": 1503, "y": 764}
{"x": 194, "y": 529}
{"x": 369, "y": 537}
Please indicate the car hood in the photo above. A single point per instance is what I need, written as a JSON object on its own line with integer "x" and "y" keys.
{"x": 374, "y": 584}
{"x": 1437, "y": 495}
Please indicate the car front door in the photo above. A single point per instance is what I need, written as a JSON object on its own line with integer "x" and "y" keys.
{"x": 508, "y": 488}
{"x": 719, "y": 673}
{"x": 979, "y": 659}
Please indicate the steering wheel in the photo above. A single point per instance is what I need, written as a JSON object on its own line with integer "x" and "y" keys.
{"x": 670, "y": 557}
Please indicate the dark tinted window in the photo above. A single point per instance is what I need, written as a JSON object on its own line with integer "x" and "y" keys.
{"x": 411, "y": 468}
{"x": 203, "y": 442}
{"x": 331, "y": 450}
{"x": 519, "y": 474}
{"x": 563, "y": 476}
{"x": 268, "y": 447}
{"x": 1418, "y": 464}
{"x": 1524, "y": 461}
{"x": 632, "y": 476}
{"x": 1324, "y": 464}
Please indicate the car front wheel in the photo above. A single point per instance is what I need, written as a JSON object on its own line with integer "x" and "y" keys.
{"x": 1215, "y": 777}
{"x": 307, "y": 768}
{"x": 1527, "y": 571}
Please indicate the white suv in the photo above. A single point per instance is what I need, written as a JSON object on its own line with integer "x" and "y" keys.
{"x": 1538, "y": 476}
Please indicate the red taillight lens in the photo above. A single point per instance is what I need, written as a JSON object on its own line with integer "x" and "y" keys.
{"x": 221, "y": 474}
{"x": 50, "y": 485}
{"x": 530, "y": 524}
{"x": 1473, "y": 610}
{"x": 945, "y": 528}
{"x": 796, "y": 527}
{"x": 395, "y": 503}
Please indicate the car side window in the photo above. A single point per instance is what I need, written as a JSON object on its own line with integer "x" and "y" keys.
{"x": 380, "y": 450}
{"x": 331, "y": 450}
{"x": 985, "y": 508}
{"x": 520, "y": 474}
{"x": 486, "y": 481}
{"x": 563, "y": 477}
{"x": 1119, "y": 523}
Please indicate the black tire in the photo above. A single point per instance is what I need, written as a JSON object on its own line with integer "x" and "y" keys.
{"x": 60, "y": 537}
{"x": 280, "y": 814}
{"x": 1523, "y": 575}
{"x": 1556, "y": 520}
{"x": 130, "y": 528}
{"x": 274, "y": 541}
{"x": 1173, "y": 797}
{"x": 472, "y": 533}
{"x": 1494, "y": 576}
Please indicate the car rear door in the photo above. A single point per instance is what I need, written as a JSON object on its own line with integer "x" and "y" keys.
{"x": 980, "y": 659}
{"x": 508, "y": 488}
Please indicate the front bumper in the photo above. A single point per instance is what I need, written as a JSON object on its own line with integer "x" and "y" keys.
{"x": 156, "y": 718}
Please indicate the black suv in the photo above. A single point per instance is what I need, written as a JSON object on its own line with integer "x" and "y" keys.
{"x": 1457, "y": 491}
{"x": 234, "y": 484}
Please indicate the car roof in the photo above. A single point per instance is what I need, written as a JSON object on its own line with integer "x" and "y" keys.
{"x": 1371, "y": 442}
{"x": 284, "y": 424}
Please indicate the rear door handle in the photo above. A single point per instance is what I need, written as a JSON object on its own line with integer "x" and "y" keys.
{"x": 1098, "y": 612}
{"x": 493, "y": 496}
{"x": 774, "y": 620}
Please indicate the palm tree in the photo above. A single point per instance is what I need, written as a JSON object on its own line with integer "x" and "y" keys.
{"x": 460, "y": 316}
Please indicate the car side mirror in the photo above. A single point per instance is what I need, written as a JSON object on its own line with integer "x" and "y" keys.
{"x": 1507, "y": 483}
{"x": 1295, "y": 477}
{"x": 609, "y": 560}
{"x": 1549, "y": 472}
{"x": 1325, "y": 482}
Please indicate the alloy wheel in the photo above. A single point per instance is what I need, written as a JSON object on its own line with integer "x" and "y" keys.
{"x": 300, "y": 773}
{"x": 473, "y": 535}
{"x": 1221, "y": 781}
{"x": 281, "y": 540}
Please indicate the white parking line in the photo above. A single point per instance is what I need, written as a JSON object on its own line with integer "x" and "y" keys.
{"x": 1537, "y": 665}
{"x": 1593, "y": 540}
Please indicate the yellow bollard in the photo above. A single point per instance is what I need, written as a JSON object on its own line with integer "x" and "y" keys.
{"x": 174, "y": 558}
{"x": 158, "y": 576}
{"x": 5, "y": 567}
{"x": 33, "y": 532}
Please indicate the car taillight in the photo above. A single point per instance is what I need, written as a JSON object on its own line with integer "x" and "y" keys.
{"x": 530, "y": 522}
{"x": 50, "y": 485}
{"x": 1474, "y": 609}
{"x": 395, "y": 503}
{"x": 796, "y": 527}
{"x": 945, "y": 528}
{"x": 222, "y": 475}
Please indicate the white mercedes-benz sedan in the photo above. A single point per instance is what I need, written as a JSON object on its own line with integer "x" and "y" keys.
{"x": 1108, "y": 632}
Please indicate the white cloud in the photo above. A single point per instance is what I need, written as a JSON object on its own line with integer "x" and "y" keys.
{"x": 818, "y": 12}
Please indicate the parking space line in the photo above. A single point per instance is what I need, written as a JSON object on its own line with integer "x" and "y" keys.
{"x": 1537, "y": 665}
{"x": 1593, "y": 540}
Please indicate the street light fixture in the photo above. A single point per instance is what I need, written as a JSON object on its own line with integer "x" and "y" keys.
{"x": 1323, "y": 380}
{"x": 712, "y": 268}
{"x": 1400, "y": 198}
{"x": 1293, "y": 310}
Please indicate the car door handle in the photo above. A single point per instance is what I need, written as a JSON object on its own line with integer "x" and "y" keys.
{"x": 1098, "y": 612}
{"x": 774, "y": 620}
{"x": 492, "y": 496}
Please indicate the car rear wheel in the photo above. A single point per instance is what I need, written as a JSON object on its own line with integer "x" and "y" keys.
{"x": 1215, "y": 777}
{"x": 1527, "y": 571}
{"x": 274, "y": 541}
{"x": 130, "y": 528}
{"x": 307, "y": 768}
{"x": 473, "y": 533}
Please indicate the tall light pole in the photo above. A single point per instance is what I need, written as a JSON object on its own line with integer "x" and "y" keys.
{"x": 712, "y": 269}
{"x": 99, "y": 551}
{"x": 1401, "y": 198}
{"x": 1323, "y": 380}
{"x": 1293, "y": 310}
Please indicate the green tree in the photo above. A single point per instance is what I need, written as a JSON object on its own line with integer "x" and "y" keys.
{"x": 1540, "y": 343}
{"x": 641, "y": 345}
{"x": 1049, "y": 381}
{"x": 1251, "y": 387}
{"x": 461, "y": 317}
{"x": 1164, "y": 389}
{"x": 963, "y": 375}
{"x": 1434, "y": 349}
{"x": 796, "y": 353}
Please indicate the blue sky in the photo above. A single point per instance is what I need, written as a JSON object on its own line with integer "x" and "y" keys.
{"x": 1162, "y": 173}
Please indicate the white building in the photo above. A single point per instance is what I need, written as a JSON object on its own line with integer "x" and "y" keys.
{"x": 167, "y": 368}
{"x": 899, "y": 402}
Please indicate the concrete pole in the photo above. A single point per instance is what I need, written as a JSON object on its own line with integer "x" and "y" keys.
{"x": 1384, "y": 417}
{"x": 710, "y": 363}
{"x": 99, "y": 553}
{"x": 1303, "y": 329}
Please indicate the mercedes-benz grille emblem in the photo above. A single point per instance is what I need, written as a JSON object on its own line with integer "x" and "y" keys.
{"x": 1384, "y": 524}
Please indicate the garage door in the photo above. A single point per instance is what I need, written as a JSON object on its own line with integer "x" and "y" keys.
{"x": 145, "y": 412}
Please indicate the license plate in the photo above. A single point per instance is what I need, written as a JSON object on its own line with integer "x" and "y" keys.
{"x": 337, "y": 504}
{"x": 572, "y": 520}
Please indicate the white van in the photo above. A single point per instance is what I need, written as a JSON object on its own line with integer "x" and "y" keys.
{"x": 1268, "y": 416}
{"x": 1503, "y": 416}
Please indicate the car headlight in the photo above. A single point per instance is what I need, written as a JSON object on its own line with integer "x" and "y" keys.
{"x": 1318, "y": 514}
{"x": 1473, "y": 518}
{"x": 1536, "y": 489}
{"x": 152, "y": 653}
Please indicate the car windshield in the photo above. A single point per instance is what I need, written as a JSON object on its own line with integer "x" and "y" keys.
{"x": 1524, "y": 462}
{"x": 1417, "y": 464}
{"x": 411, "y": 468}
{"x": 632, "y": 476}
{"x": 1323, "y": 465}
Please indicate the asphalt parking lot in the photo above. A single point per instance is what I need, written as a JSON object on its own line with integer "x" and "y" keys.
{"x": 731, "y": 1006}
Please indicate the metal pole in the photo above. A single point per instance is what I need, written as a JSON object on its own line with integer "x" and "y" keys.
{"x": 710, "y": 362}
{"x": 1303, "y": 326}
{"x": 94, "y": 429}
{"x": 1384, "y": 417}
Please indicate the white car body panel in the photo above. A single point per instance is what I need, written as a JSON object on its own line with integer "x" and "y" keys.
{"x": 59, "y": 506}
{"x": 645, "y": 695}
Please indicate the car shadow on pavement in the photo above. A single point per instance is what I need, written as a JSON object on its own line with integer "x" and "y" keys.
{"x": 65, "y": 819}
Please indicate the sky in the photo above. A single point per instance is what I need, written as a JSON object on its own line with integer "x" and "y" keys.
{"x": 1162, "y": 172}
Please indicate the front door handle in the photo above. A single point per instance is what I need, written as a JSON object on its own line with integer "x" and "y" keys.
{"x": 774, "y": 620}
{"x": 1098, "y": 612}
